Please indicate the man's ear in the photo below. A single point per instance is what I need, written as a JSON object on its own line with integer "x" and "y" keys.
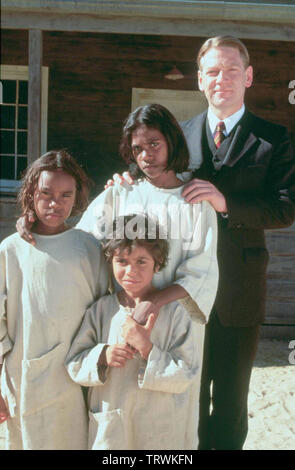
{"x": 249, "y": 76}
{"x": 200, "y": 81}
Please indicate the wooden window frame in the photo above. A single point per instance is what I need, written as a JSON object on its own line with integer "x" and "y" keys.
{"x": 21, "y": 72}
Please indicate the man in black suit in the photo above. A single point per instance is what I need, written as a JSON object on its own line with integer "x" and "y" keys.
{"x": 246, "y": 170}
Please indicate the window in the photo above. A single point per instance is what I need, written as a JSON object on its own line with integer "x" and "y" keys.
{"x": 14, "y": 124}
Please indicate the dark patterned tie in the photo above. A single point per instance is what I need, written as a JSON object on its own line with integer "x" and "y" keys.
{"x": 218, "y": 134}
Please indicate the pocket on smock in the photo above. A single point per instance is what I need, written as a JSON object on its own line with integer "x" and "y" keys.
{"x": 107, "y": 431}
{"x": 44, "y": 380}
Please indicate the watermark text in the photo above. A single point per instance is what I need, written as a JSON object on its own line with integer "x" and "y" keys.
{"x": 292, "y": 93}
{"x": 292, "y": 353}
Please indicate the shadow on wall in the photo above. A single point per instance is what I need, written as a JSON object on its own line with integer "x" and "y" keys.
{"x": 8, "y": 216}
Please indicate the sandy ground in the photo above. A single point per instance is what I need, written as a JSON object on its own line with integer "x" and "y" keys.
{"x": 271, "y": 399}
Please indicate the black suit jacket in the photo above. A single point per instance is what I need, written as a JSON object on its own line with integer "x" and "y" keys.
{"x": 255, "y": 170}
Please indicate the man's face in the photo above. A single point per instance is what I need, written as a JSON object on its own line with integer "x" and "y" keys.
{"x": 223, "y": 78}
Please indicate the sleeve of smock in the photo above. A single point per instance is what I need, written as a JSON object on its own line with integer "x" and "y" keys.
{"x": 103, "y": 275}
{"x": 5, "y": 341}
{"x": 174, "y": 369}
{"x": 99, "y": 275}
{"x": 83, "y": 356}
{"x": 198, "y": 273}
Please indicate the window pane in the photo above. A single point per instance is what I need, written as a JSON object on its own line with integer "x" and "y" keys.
{"x": 23, "y": 92}
{"x": 22, "y": 143}
{"x": 22, "y": 117}
{"x": 7, "y": 142}
{"x": 7, "y": 117}
{"x": 9, "y": 91}
{"x": 21, "y": 166}
{"x": 7, "y": 168}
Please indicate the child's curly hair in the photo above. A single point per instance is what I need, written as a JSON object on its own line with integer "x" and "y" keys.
{"x": 141, "y": 226}
{"x": 52, "y": 161}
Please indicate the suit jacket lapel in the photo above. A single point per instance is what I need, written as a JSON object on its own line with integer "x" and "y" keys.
{"x": 242, "y": 140}
{"x": 194, "y": 132}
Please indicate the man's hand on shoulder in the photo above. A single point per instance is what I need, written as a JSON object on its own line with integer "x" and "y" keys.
{"x": 200, "y": 190}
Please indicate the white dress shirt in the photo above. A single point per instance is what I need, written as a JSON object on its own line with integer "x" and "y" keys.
{"x": 229, "y": 122}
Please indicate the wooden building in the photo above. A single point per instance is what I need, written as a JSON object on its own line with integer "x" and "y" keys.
{"x": 72, "y": 70}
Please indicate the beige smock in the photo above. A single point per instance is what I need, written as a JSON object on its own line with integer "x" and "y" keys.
{"x": 44, "y": 293}
{"x": 145, "y": 404}
{"x": 191, "y": 230}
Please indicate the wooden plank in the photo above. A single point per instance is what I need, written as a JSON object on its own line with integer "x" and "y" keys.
{"x": 281, "y": 243}
{"x": 34, "y": 95}
{"x": 155, "y": 25}
{"x": 282, "y": 266}
{"x": 278, "y": 332}
{"x": 279, "y": 320}
{"x": 280, "y": 305}
{"x": 281, "y": 309}
{"x": 139, "y": 9}
{"x": 281, "y": 289}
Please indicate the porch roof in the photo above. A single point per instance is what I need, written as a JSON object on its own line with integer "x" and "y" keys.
{"x": 262, "y": 19}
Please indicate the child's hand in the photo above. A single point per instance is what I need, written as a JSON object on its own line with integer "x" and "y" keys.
{"x": 138, "y": 336}
{"x": 24, "y": 225}
{"x": 118, "y": 354}
{"x": 4, "y": 414}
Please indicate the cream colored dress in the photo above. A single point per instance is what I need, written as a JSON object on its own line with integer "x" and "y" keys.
{"x": 145, "y": 404}
{"x": 191, "y": 230}
{"x": 44, "y": 293}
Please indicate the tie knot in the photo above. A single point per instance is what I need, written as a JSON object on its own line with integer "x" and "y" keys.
{"x": 220, "y": 127}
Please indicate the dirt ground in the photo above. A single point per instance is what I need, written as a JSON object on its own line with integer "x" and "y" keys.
{"x": 271, "y": 399}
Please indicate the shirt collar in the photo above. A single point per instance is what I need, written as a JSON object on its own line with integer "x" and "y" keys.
{"x": 229, "y": 122}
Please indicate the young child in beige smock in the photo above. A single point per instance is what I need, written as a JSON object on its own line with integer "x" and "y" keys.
{"x": 142, "y": 378}
{"x": 44, "y": 292}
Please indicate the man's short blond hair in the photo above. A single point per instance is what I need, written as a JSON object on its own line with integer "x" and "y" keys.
{"x": 224, "y": 41}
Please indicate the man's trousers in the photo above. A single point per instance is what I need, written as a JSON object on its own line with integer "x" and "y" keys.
{"x": 229, "y": 354}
